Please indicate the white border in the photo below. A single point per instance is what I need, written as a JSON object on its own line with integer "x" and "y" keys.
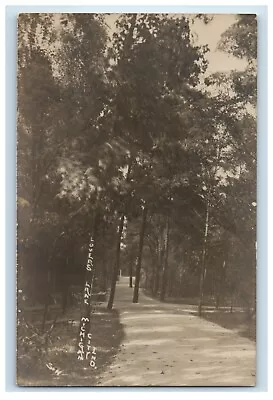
{"x": 205, "y": 395}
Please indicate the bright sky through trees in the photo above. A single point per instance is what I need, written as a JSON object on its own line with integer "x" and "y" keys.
{"x": 209, "y": 34}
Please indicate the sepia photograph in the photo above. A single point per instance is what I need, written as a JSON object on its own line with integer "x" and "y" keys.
{"x": 136, "y": 200}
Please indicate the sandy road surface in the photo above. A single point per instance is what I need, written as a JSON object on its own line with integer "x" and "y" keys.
{"x": 164, "y": 345}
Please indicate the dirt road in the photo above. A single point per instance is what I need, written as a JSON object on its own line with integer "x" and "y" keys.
{"x": 165, "y": 345}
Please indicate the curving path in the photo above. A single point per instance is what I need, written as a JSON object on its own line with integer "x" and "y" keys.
{"x": 164, "y": 345}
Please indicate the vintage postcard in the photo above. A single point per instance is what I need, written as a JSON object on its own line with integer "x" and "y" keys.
{"x": 136, "y": 199}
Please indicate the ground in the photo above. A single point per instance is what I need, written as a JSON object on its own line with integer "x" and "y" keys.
{"x": 107, "y": 335}
{"x": 145, "y": 344}
{"x": 165, "y": 345}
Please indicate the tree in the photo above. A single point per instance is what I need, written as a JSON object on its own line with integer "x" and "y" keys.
{"x": 240, "y": 40}
{"x": 155, "y": 68}
{"x": 140, "y": 251}
{"x": 51, "y": 132}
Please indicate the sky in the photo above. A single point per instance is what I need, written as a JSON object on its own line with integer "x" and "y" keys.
{"x": 208, "y": 34}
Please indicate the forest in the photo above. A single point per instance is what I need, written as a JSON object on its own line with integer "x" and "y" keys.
{"x": 132, "y": 161}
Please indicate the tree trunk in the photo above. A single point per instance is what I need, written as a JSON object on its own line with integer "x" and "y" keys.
{"x": 116, "y": 266}
{"x": 151, "y": 287}
{"x": 157, "y": 279}
{"x": 217, "y": 302}
{"x": 103, "y": 275}
{"x": 231, "y": 304}
{"x": 120, "y": 230}
{"x": 158, "y": 265}
{"x": 202, "y": 274}
{"x": 171, "y": 283}
{"x": 165, "y": 267}
{"x": 131, "y": 271}
{"x": 49, "y": 280}
{"x": 139, "y": 258}
{"x": 154, "y": 262}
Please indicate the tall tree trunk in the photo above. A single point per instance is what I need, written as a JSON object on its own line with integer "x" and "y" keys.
{"x": 203, "y": 269}
{"x": 116, "y": 266}
{"x": 160, "y": 256}
{"x": 104, "y": 274}
{"x": 131, "y": 270}
{"x": 131, "y": 277}
{"x": 151, "y": 287}
{"x": 103, "y": 262}
{"x": 154, "y": 263}
{"x": 139, "y": 258}
{"x": 165, "y": 266}
{"x": 120, "y": 230}
{"x": 171, "y": 283}
{"x": 156, "y": 286}
{"x": 49, "y": 282}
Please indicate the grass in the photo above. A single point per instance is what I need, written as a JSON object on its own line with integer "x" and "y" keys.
{"x": 192, "y": 301}
{"x": 234, "y": 321}
{"x": 107, "y": 334}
